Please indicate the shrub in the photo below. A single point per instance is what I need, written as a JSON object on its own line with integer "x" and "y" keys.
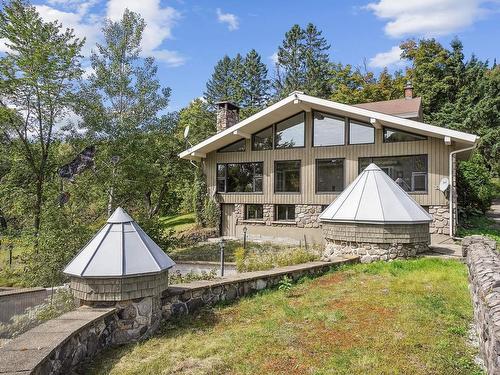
{"x": 178, "y": 278}
{"x": 260, "y": 261}
{"x": 475, "y": 188}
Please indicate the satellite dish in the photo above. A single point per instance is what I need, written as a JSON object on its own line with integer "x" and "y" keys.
{"x": 186, "y": 132}
{"x": 444, "y": 184}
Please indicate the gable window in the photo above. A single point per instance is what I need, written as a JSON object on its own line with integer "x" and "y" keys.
{"x": 290, "y": 132}
{"x": 409, "y": 172}
{"x": 287, "y": 176}
{"x": 329, "y": 175}
{"x": 360, "y": 133}
{"x": 263, "y": 140}
{"x": 234, "y": 147}
{"x": 328, "y": 130}
{"x": 239, "y": 178}
{"x": 393, "y": 135}
{"x": 254, "y": 211}
{"x": 285, "y": 212}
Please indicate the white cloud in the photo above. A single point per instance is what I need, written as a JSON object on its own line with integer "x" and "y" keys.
{"x": 159, "y": 23}
{"x": 384, "y": 59}
{"x": 230, "y": 19}
{"x": 274, "y": 57}
{"x": 426, "y": 17}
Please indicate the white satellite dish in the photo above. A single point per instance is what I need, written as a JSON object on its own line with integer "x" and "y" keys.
{"x": 444, "y": 184}
{"x": 186, "y": 132}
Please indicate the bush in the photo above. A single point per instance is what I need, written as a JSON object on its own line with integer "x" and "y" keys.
{"x": 260, "y": 261}
{"x": 178, "y": 278}
{"x": 475, "y": 187}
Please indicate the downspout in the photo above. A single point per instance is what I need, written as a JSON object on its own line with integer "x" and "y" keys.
{"x": 453, "y": 153}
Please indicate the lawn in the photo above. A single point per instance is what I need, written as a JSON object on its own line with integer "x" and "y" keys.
{"x": 179, "y": 223}
{"x": 405, "y": 317}
{"x": 480, "y": 225}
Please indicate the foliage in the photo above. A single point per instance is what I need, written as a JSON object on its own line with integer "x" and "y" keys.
{"x": 178, "y": 278}
{"x": 475, "y": 188}
{"x": 212, "y": 213}
{"x": 60, "y": 302}
{"x": 363, "y": 319}
{"x": 264, "y": 260}
{"x": 285, "y": 284}
{"x": 479, "y": 225}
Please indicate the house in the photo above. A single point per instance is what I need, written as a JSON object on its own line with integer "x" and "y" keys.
{"x": 276, "y": 171}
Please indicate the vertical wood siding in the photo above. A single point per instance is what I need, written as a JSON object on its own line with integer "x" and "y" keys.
{"x": 435, "y": 149}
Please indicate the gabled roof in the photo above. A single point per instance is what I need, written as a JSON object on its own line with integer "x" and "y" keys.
{"x": 297, "y": 102}
{"x": 406, "y": 108}
{"x": 374, "y": 198}
{"x": 121, "y": 248}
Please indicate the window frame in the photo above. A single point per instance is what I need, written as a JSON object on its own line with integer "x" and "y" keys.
{"x": 247, "y": 205}
{"x": 422, "y": 192}
{"x": 338, "y": 117}
{"x": 276, "y": 208}
{"x": 220, "y": 150}
{"x": 275, "y": 177}
{"x": 273, "y": 131}
{"x": 360, "y": 123}
{"x": 225, "y": 178}
{"x": 317, "y": 176}
{"x": 425, "y": 138}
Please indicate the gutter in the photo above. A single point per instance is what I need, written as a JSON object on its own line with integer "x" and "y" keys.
{"x": 450, "y": 164}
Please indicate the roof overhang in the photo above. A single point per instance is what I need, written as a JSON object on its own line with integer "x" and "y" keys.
{"x": 297, "y": 102}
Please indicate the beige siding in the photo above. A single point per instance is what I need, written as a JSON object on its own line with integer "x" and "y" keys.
{"x": 435, "y": 149}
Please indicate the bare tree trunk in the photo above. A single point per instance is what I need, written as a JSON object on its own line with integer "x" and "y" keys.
{"x": 38, "y": 210}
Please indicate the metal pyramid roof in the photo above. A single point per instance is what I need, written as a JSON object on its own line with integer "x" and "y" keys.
{"x": 373, "y": 197}
{"x": 121, "y": 248}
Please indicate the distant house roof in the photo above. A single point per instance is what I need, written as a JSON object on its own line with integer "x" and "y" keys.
{"x": 406, "y": 108}
{"x": 374, "y": 198}
{"x": 121, "y": 248}
{"x": 298, "y": 101}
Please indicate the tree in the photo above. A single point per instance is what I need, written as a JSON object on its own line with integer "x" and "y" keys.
{"x": 290, "y": 64}
{"x": 256, "y": 82}
{"x": 38, "y": 76}
{"x": 317, "y": 63}
{"x": 220, "y": 85}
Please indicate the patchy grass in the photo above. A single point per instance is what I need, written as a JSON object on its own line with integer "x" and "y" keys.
{"x": 403, "y": 317}
{"x": 179, "y": 223}
{"x": 481, "y": 225}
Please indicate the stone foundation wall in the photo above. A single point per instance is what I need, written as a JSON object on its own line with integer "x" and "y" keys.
{"x": 440, "y": 220}
{"x": 307, "y": 216}
{"x": 114, "y": 289}
{"x": 483, "y": 262}
{"x": 374, "y": 242}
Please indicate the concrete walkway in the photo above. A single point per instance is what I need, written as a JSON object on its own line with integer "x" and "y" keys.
{"x": 443, "y": 246}
{"x": 494, "y": 212}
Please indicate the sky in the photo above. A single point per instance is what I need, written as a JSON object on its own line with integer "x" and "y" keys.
{"x": 188, "y": 37}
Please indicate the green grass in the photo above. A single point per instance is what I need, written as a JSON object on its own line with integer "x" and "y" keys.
{"x": 179, "y": 223}
{"x": 480, "y": 225}
{"x": 403, "y": 317}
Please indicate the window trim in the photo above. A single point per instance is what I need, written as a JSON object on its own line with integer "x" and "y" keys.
{"x": 246, "y": 218}
{"x": 277, "y": 220}
{"x": 338, "y": 117}
{"x": 317, "y": 176}
{"x": 273, "y": 131}
{"x": 232, "y": 143}
{"x": 225, "y": 179}
{"x": 360, "y": 123}
{"x": 420, "y": 192}
{"x": 425, "y": 138}
{"x": 300, "y": 178}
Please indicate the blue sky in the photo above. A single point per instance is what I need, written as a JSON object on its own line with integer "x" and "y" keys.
{"x": 188, "y": 37}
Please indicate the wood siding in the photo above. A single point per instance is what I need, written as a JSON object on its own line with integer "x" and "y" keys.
{"x": 435, "y": 149}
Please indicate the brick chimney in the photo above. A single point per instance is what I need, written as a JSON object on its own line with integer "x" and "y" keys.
{"x": 408, "y": 90}
{"x": 228, "y": 114}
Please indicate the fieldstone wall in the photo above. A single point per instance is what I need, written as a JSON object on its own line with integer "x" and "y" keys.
{"x": 483, "y": 261}
{"x": 227, "y": 116}
{"x": 307, "y": 216}
{"x": 440, "y": 220}
{"x": 375, "y": 242}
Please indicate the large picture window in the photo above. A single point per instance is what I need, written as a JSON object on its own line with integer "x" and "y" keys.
{"x": 239, "y": 178}
{"x": 328, "y": 130}
{"x": 287, "y": 176}
{"x": 409, "y": 172}
{"x": 329, "y": 175}
{"x": 360, "y": 133}
{"x": 393, "y": 135}
{"x": 285, "y": 212}
{"x": 289, "y": 133}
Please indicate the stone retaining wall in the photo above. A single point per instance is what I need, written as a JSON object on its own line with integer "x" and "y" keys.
{"x": 483, "y": 262}
{"x": 15, "y": 301}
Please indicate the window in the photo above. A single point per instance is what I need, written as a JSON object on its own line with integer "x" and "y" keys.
{"x": 409, "y": 172}
{"x": 263, "y": 140}
{"x": 239, "y": 178}
{"x": 287, "y": 176}
{"x": 254, "y": 212}
{"x": 234, "y": 147}
{"x": 290, "y": 132}
{"x": 329, "y": 175}
{"x": 360, "y": 133}
{"x": 393, "y": 135}
{"x": 285, "y": 212}
{"x": 328, "y": 130}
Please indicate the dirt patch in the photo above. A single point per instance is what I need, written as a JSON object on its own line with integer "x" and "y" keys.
{"x": 329, "y": 280}
{"x": 286, "y": 366}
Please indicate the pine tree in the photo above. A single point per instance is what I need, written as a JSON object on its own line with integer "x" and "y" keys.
{"x": 220, "y": 85}
{"x": 317, "y": 63}
{"x": 256, "y": 83}
{"x": 237, "y": 82}
{"x": 290, "y": 65}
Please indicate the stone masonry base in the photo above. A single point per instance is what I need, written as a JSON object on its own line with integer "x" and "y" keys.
{"x": 440, "y": 219}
